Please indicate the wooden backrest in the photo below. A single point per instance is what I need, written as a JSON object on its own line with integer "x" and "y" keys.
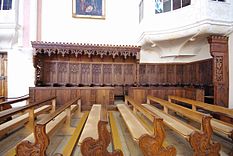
{"x": 206, "y": 106}
{"x": 10, "y": 112}
{"x": 15, "y": 100}
{"x": 196, "y": 116}
{"x": 149, "y": 114}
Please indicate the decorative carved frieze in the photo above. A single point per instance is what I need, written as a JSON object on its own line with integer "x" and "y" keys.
{"x": 51, "y": 48}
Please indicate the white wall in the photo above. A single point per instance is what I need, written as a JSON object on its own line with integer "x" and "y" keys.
{"x": 231, "y": 71}
{"x": 20, "y": 62}
{"x": 119, "y": 27}
{"x": 20, "y": 72}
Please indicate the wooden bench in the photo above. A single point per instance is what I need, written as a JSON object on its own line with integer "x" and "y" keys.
{"x": 200, "y": 140}
{"x": 45, "y": 128}
{"x": 26, "y": 118}
{"x": 149, "y": 144}
{"x": 219, "y": 126}
{"x": 89, "y": 145}
{"x": 4, "y": 105}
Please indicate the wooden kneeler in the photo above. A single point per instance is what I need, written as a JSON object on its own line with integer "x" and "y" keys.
{"x": 153, "y": 145}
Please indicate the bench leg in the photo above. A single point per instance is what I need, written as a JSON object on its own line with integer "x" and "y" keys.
{"x": 153, "y": 145}
{"x": 201, "y": 141}
{"x": 39, "y": 147}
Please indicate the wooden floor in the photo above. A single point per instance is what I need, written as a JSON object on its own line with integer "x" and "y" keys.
{"x": 61, "y": 137}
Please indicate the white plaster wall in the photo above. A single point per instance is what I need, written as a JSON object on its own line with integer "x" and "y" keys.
{"x": 20, "y": 73}
{"x": 20, "y": 58}
{"x": 231, "y": 71}
{"x": 119, "y": 27}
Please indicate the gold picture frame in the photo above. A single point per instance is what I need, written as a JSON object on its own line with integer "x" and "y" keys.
{"x": 88, "y": 9}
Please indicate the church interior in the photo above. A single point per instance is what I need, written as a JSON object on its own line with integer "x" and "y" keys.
{"x": 105, "y": 78}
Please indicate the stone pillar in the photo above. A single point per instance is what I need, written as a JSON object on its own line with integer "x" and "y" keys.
{"x": 219, "y": 51}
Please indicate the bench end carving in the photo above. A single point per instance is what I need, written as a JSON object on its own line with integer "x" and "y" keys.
{"x": 201, "y": 141}
{"x": 38, "y": 148}
{"x": 153, "y": 145}
{"x": 91, "y": 146}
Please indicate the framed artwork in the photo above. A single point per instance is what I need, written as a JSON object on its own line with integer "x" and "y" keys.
{"x": 89, "y": 9}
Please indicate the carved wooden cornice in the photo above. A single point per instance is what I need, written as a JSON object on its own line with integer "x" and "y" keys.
{"x": 101, "y": 50}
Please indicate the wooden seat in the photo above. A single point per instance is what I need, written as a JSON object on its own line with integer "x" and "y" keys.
{"x": 90, "y": 129}
{"x": 219, "y": 126}
{"x": 136, "y": 129}
{"x": 200, "y": 140}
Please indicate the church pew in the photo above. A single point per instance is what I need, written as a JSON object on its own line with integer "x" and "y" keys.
{"x": 200, "y": 140}
{"x": 44, "y": 129}
{"x": 4, "y": 105}
{"x": 148, "y": 143}
{"x": 90, "y": 146}
{"x": 26, "y": 118}
{"x": 90, "y": 129}
{"x": 219, "y": 126}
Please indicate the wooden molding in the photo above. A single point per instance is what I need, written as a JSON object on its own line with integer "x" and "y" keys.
{"x": 101, "y": 50}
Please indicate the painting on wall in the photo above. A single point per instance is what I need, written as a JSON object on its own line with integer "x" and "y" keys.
{"x": 89, "y": 8}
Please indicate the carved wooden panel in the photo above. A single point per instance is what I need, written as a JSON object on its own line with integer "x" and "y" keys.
{"x": 107, "y": 74}
{"x": 129, "y": 74}
{"x": 86, "y": 74}
{"x": 118, "y": 75}
{"x": 171, "y": 74}
{"x": 161, "y": 73}
{"x": 50, "y": 72}
{"x": 143, "y": 74}
{"x": 97, "y": 74}
{"x": 179, "y": 73}
{"x": 62, "y": 73}
{"x": 74, "y": 70}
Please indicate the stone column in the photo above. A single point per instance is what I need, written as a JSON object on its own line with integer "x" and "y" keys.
{"x": 219, "y": 51}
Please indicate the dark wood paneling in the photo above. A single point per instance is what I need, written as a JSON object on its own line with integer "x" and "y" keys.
{"x": 89, "y": 95}
{"x": 140, "y": 93}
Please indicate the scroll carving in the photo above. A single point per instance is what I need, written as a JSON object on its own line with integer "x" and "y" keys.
{"x": 153, "y": 145}
{"x": 201, "y": 141}
{"x": 38, "y": 148}
{"x": 92, "y": 147}
{"x": 219, "y": 68}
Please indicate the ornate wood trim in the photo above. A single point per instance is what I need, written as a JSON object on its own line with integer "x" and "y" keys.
{"x": 38, "y": 148}
{"x": 153, "y": 145}
{"x": 201, "y": 141}
{"x": 92, "y": 147}
{"x": 219, "y": 51}
{"x": 101, "y": 50}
